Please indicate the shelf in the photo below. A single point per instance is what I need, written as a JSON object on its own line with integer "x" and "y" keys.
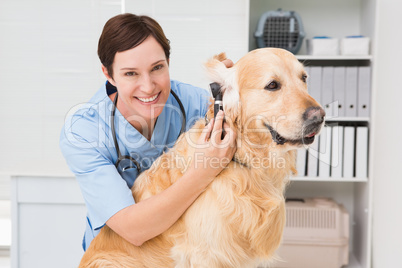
{"x": 338, "y": 57}
{"x": 348, "y": 119}
{"x": 327, "y": 179}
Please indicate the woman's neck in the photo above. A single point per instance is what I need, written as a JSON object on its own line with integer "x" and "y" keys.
{"x": 145, "y": 126}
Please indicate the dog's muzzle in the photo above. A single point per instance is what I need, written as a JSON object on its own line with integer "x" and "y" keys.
{"x": 313, "y": 119}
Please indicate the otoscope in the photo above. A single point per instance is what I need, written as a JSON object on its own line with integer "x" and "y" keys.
{"x": 218, "y": 104}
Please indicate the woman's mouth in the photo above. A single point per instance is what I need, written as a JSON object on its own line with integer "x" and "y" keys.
{"x": 150, "y": 99}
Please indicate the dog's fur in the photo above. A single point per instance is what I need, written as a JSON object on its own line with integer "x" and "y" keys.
{"x": 239, "y": 219}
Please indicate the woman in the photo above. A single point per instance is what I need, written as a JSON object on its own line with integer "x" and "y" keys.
{"x": 147, "y": 119}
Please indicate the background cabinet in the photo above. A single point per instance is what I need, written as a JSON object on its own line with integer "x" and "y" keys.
{"x": 47, "y": 226}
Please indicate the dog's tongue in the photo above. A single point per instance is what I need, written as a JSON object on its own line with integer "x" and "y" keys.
{"x": 311, "y": 135}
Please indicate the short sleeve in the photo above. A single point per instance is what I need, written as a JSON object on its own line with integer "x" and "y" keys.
{"x": 196, "y": 101}
{"x": 104, "y": 191}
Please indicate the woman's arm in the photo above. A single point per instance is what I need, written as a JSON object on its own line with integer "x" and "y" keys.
{"x": 151, "y": 217}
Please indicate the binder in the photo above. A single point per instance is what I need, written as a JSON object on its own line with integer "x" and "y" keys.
{"x": 361, "y": 152}
{"x": 325, "y": 152}
{"x": 349, "y": 152}
{"x": 337, "y": 152}
{"x": 312, "y": 160}
{"x": 351, "y": 91}
{"x": 315, "y": 83}
{"x": 301, "y": 162}
{"x": 363, "y": 92}
{"x": 327, "y": 91}
{"x": 339, "y": 91}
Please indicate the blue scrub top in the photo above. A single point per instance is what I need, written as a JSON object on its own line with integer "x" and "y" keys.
{"x": 87, "y": 144}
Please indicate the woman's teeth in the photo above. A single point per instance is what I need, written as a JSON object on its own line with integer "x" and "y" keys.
{"x": 148, "y": 99}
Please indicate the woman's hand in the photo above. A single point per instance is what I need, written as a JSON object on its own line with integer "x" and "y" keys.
{"x": 214, "y": 153}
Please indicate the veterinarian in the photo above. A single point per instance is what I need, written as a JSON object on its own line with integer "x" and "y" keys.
{"x": 136, "y": 115}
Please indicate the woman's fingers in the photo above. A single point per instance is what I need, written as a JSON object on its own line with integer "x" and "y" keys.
{"x": 230, "y": 135}
{"x": 206, "y": 132}
{"x": 228, "y": 63}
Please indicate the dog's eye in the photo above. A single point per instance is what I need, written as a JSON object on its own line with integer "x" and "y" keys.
{"x": 272, "y": 86}
{"x": 304, "y": 78}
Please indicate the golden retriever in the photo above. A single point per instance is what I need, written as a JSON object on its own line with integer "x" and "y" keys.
{"x": 239, "y": 219}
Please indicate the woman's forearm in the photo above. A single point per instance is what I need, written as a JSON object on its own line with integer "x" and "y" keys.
{"x": 150, "y": 217}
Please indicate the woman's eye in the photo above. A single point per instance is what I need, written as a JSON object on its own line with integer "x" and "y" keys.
{"x": 158, "y": 67}
{"x": 129, "y": 74}
{"x": 272, "y": 86}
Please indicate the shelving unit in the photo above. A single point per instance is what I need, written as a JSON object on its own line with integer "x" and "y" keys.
{"x": 336, "y": 58}
{"x": 336, "y": 19}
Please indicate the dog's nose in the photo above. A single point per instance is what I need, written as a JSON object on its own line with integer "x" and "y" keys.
{"x": 314, "y": 114}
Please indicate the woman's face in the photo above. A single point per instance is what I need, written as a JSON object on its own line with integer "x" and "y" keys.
{"x": 141, "y": 75}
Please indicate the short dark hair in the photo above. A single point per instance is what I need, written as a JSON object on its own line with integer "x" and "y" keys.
{"x": 125, "y": 31}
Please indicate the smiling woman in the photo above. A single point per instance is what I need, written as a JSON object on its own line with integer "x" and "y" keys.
{"x": 137, "y": 113}
{"x": 142, "y": 76}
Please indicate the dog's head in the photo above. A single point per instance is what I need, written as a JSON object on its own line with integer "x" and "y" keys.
{"x": 265, "y": 94}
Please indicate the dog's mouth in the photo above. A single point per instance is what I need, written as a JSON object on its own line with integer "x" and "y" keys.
{"x": 308, "y": 139}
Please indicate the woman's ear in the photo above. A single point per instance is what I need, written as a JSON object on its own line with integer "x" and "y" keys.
{"x": 108, "y": 77}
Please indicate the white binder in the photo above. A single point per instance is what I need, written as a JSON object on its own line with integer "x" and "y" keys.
{"x": 312, "y": 160}
{"x": 351, "y": 91}
{"x": 349, "y": 152}
{"x": 301, "y": 162}
{"x": 315, "y": 83}
{"x": 339, "y": 91}
{"x": 363, "y": 92}
{"x": 337, "y": 152}
{"x": 361, "y": 152}
{"x": 325, "y": 152}
{"x": 327, "y": 91}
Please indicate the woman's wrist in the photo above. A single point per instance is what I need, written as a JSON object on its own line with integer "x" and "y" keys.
{"x": 200, "y": 176}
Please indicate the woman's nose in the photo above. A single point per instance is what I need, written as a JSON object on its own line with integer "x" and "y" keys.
{"x": 147, "y": 84}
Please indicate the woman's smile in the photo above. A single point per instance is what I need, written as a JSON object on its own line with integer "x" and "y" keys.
{"x": 149, "y": 100}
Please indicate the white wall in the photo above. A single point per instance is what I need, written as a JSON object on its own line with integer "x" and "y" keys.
{"x": 387, "y": 204}
{"x": 49, "y": 63}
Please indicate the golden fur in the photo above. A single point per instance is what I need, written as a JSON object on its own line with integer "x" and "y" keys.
{"x": 239, "y": 219}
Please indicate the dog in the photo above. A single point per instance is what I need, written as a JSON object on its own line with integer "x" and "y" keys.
{"x": 239, "y": 219}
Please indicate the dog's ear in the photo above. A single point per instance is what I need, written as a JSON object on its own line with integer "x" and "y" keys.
{"x": 226, "y": 77}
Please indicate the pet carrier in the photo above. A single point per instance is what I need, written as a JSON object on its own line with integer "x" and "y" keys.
{"x": 281, "y": 29}
{"x": 316, "y": 235}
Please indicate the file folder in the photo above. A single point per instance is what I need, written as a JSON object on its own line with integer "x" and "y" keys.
{"x": 339, "y": 91}
{"x": 315, "y": 83}
{"x": 301, "y": 162}
{"x": 312, "y": 160}
{"x": 325, "y": 152}
{"x": 327, "y": 91}
{"x": 349, "y": 152}
{"x": 337, "y": 152}
{"x": 361, "y": 152}
{"x": 351, "y": 91}
{"x": 363, "y": 93}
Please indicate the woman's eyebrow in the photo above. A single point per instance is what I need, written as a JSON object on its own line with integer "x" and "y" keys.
{"x": 134, "y": 68}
